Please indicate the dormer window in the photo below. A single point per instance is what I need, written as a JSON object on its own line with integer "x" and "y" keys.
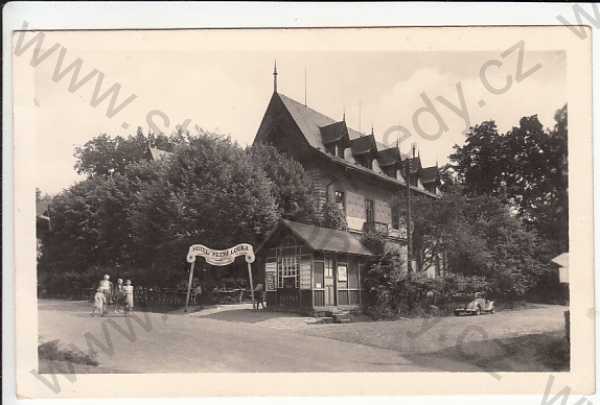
{"x": 365, "y": 161}
{"x": 335, "y": 138}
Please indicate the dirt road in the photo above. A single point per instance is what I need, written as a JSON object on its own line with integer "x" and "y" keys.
{"x": 237, "y": 339}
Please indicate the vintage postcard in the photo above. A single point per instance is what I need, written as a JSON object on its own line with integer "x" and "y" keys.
{"x": 303, "y": 211}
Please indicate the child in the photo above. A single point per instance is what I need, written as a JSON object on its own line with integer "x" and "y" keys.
{"x": 99, "y": 302}
{"x": 128, "y": 291}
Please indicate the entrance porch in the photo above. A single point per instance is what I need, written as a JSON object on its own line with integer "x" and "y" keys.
{"x": 308, "y": 268}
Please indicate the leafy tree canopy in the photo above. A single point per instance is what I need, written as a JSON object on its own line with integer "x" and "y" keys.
{"x": 525, "y": 167}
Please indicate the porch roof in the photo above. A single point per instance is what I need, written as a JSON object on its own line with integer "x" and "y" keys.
{"x": 325, "y": 239}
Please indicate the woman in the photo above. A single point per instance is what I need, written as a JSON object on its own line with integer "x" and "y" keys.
{"x": 128, "y": 292}
{"x": 119, "y": 296}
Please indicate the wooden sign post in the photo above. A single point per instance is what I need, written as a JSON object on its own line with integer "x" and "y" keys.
{"x": 219, "y": 258}
{"x": 187, "y": 298}
{"x": 251, "y": 283}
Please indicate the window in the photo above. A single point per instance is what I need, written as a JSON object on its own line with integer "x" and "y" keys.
{"x": 389, "y": 171}
{"x": 305, "y": 269}
{"x": 318, "y": 275}
{"x": 271, "y": 274}
{"x": 353, "y": 270}
{"x": 328, "y": 267}
{"x": 330, "y": 148}
{"x": 370, "y": 211}
{"x": 340, "y": 152}
{"x": 365, "y": 161}
{"x": 340, "y": 201}
{"x": 395, "y": 217}
{"x": 342, "y": 271}
{"x": 287, "y": 268}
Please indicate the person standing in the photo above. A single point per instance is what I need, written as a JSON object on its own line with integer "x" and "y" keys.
{"x": 99, "y": 303}
{"x": 128, "y": 292}
{"x": 259, "y": 295}
{"x": 197, "y": 293}
{"x": 106, "y": 287}
{"x": 119, "y": 295}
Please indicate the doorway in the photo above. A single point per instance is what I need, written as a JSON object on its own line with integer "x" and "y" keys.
{"x": 329, "y": 282}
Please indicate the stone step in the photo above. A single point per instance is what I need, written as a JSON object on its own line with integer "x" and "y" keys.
{"x": 321, "y": 320}
{"x": 342, "y": 317}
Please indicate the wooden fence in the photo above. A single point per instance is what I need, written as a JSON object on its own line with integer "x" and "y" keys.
{"x": 166, "y": 296}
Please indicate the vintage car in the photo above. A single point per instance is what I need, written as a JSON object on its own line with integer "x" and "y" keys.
{"x": 476, "y": 307}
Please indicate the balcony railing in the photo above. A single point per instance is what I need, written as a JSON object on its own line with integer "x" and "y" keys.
{"x": 378, "y": 227}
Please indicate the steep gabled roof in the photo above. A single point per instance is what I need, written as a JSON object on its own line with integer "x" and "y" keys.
{"x": 388, "y": 157}
{"x": 338, "y": 131}
{"x": 429, "y": 174}
{"x": 310, "y": 121}
{"x": 362, "y": 145}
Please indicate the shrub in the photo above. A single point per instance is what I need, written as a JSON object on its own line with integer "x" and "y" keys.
{"x": 332, "y": 217}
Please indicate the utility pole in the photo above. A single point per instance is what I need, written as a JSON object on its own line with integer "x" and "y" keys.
{"x": 409, "y": 213}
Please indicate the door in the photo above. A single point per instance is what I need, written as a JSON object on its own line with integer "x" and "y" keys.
{"x": 328, "y": 282}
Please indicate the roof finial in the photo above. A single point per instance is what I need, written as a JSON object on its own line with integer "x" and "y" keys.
{"x": 344, "y": 114}
{"x": 275, "y": 77}
{"x": 372, "y": 131}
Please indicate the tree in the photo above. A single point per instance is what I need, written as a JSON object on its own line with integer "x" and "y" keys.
{"x": 526, "y": 168}
{"x": 105, "y": 155}
{"x": 145, "y": 214}
{"x": 291, "y": 186}
{"x": 210, "y": 192}
{"x": 481, "y": 238}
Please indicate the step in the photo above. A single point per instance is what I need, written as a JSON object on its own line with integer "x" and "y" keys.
{"x": 321, "y": 320}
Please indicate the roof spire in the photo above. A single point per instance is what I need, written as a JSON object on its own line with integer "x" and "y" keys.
{"x": 344, "y": 114}
{"x": 275, "y": 77}
{"x": 372, "y": 131}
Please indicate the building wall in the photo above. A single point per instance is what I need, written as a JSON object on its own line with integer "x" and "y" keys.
{"x": 279, "y": 129}
{"x": 356, "y": 187}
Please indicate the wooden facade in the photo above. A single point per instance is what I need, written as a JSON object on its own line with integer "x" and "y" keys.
{"x": 307, "y": 268}
{"x": 365, "y": 179}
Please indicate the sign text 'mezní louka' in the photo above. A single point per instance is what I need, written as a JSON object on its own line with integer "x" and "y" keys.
{"x": 221, "y": 257}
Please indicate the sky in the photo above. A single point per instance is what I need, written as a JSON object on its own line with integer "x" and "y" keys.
{"x": 226, "y": 89}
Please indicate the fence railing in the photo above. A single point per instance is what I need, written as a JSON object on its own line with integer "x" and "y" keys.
{"x": 143, "y": 296}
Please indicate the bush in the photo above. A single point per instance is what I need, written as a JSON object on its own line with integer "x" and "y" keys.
{"x": 332, "y": 217}
{"x": 392, "y": 292}
{"x": 375, "y": 242}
